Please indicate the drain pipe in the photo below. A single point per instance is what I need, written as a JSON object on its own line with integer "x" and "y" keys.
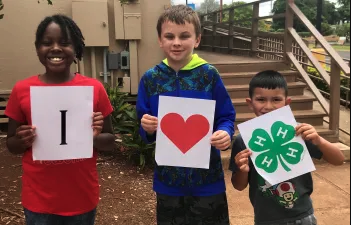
{"x": 105, "y": 65}
{"x": 93, "y": 63}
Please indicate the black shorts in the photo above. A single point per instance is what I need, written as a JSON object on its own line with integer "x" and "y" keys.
{"x": 212, "y": 210}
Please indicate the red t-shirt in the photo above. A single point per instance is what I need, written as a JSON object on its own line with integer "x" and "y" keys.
{"x": 68, "y": 187}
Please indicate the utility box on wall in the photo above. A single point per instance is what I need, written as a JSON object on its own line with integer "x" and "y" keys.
{"x": 128, "y": 21}
{"x": 92, "y": 17}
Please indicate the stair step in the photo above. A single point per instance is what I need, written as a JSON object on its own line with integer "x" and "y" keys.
{"x": 250, "y": 66}
{"x": 242, "y": 90}
{"x": 4, "y": 120}
{"x": 2, "y": 112}
{"x": 300, "y": 102}
{"x": 312, "y": 117}
{"x": 3, "y": 104}
{"x": 245, "y": 77}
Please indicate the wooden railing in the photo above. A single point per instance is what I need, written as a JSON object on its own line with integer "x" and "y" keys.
{"x": 345, "y": 79}
{"x": 231, "y": 37}
{"x": 337, "y": 64}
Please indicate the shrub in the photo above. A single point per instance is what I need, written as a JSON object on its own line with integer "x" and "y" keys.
{"x": 322, "y": 85}
{"x": 126, "y": 124}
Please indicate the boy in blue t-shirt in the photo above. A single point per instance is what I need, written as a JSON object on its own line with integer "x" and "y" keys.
{"x": 187, "y": 196}
{"x": 288, "y": 203}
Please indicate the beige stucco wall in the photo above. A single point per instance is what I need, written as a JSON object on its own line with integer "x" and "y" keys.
{"x": 18, "y": 58}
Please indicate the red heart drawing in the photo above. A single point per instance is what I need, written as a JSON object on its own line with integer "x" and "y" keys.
{"x": 185, "y": 134}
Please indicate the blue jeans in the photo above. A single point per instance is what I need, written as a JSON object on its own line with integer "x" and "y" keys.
{"x": 33, "y": 218}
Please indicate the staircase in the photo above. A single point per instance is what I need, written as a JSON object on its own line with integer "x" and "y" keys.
{"x": 277, "y": 51}
{"x": 3, "y": 118}
{"x": 236, "y": 73}
{"x": 4, "y": 95}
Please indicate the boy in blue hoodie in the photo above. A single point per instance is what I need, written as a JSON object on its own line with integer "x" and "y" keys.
{"x": 186, "y": 196}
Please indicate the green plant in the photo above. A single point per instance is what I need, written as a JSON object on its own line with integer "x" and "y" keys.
{"x": 121, "y": 110}
{"x": 327, "y": 29}
{"x": 344, "y": 31}
{"x": 322, "y": 85}
{"x": 1, "y": 8}
{"x": 127, "y": 1}
{"x": 305, "y": 34}
{"x": 127, "y": 125}
{"x": 241, "y": 14}
{"x": 134, "y": 145}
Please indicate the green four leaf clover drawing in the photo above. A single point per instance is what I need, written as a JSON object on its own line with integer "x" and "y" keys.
{"x": 276, "y": 148}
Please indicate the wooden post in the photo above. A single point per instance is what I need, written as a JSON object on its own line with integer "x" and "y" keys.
{"x": 202, "y": 20}
{"x": 254, "y": 39}
{"x": 348, "y": 93}
{"x": 221, "y": 13}
{"x": 334, "y": 114}
{"x": 93, "y": 63}
{"x": 134, "y": 67}
{"x": 289, "y": 23}
{"x": 214, "y": 31}
{"x": 231, "y": 31}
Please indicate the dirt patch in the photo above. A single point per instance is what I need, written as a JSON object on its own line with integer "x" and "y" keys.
{"x": 126, "y": 193}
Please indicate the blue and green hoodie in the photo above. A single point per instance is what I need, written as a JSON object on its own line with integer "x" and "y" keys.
{"x": 198, "y": 80}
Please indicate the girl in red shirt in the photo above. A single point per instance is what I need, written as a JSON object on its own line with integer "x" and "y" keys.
{"x": 58, "y": 192}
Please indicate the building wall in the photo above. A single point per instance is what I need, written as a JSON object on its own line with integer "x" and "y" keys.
{"x": 18, "y": 58}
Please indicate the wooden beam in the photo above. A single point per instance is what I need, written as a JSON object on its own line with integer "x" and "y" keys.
{"x": 309, "y": 82}
{"x": 289, "y": 23}
{"x": 93, "y": 63}
{"x": 237, "y": 7}
{"x": 214, "y": 32}
{"x": 202, "y": 20}
{"x": 334, "y": 115}
{"x": 327, "y": 47}
{"x": 254, "y": 39}
{"x": 3, "y": 104}
{"x": 310, "y": 56}
{"x": 231, "y": 30}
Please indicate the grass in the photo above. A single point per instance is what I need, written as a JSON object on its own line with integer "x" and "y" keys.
{"x": 336, "y": 47}
{"x": 342, "y": 47}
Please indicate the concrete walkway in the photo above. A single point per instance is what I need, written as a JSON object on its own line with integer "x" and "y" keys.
{"x": 331, "y": 197}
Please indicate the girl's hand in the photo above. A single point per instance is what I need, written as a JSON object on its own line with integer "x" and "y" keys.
{"x": 98, "y": 122}
{"x": 26, "y": 135}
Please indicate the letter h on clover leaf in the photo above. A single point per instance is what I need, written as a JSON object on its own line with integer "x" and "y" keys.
{"x": 276, "y": 148}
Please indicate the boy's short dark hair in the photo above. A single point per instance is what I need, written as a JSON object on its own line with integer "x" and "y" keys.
{"x": 179, "y": 14}
{"x": 268, "y": 79}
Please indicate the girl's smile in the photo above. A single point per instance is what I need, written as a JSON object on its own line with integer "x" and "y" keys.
{"x": 56, "y": 52}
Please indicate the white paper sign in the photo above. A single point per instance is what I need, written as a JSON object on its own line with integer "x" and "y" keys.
{"x": 184, "y": 132}
{"x": 63, "y": 119}
{"x": 278, "y": 155}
